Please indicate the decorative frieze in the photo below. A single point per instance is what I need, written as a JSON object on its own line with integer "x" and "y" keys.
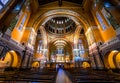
{"x": 10, "y": 45}
{"x": 113, "y": 44}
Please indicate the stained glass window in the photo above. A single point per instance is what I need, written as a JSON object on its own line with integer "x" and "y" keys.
{"x": 4, "y": 1}
{"x": 23, "y": 20}
{"x": 20, "y": 28}
{"x": 105, "y": 14}
{"x": 110, "y": 19}
{"x": 81, "y": 47}
{"x": 107, "y": 4}
{"x": 60, "y": 51}
{"x": 1, "y": 7}
{"x": 39, "y": 48}
{"x": 17, "y": 7}
{"x": 101, "y": 21}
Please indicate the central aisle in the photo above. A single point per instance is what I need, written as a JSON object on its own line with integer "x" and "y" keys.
{"x": 62, "y": 77}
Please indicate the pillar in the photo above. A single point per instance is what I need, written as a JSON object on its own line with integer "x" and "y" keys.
{"x": 93, "y": 62}
{"x": 24, "y": 59}
{"x": 24, "y": 65}
{"x": 30, "y": 61}
{"x": 99, "y": 61}
{"x": 96, "y": 59}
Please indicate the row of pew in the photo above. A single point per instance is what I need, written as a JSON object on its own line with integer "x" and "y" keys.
{"x": 81, "y": 75}
{"x": 45, "y": 75}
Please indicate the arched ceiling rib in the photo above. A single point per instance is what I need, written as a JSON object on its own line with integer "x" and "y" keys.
{"x": 59, "y": 12}
{"x": 60, "y": 26}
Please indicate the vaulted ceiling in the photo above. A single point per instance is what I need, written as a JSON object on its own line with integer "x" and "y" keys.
{"x": 42, "y": 2}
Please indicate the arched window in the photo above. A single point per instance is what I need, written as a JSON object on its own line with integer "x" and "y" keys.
{"x": 81, "y": 47}
{"x": 1, "y": 6}
{"x": 107, "y": 4}
{"x": 100, "y": 19}
{"x": 39, "y": 48}
{"x": 20, "y": 28}
{"x": 110, "y": 18}
{"x": 3, "y": 3}
{"x": 59, "y": 51}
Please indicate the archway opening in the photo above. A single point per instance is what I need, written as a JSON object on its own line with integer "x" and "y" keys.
{"x": 35, "y": 64}
{"x": 60, "y": 26}
{"x": 109, "y": 59}
{"x": 117, "y": 59}
{"x": 12, "y": 59}
{"x": 86, "y": 65}
{"x": 60, "y": 51}
{"x": 66, "y": 25}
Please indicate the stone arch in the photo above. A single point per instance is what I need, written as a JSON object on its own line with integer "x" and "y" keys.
{"x": 86, "y": 64}
{"x": 78, "y": 18}
{"x": 109, "y": 59}
{"x": 35, "y": 64}
{"x": 61, "y": 39}
{"x": 12, "y": 59}
{"x": 117, "y": 60}
{"x": 67, "y": 41}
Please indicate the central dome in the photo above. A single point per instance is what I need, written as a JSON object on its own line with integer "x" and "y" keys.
{"x": 60, "y": 26}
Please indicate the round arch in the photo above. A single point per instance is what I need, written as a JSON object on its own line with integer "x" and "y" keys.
{"x": 109, "y": 59}
{"x": 61, "y": 39}
{"x": 66, "y": 41}
{"x": 117, "y": 60}
{"x": 78, "y": 18}
{"x": 12, "y": 59}
{"x": 36, "y": 64}
{"x": 86, "y": 65}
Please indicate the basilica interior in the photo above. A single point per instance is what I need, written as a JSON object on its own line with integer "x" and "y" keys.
{"x": 39, "y": 39}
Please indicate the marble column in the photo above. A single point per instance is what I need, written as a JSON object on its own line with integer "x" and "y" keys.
{"x": 96, "y": 57}
{"x": 99, "y": 62}
{"x": 93, "y": 62}
{"x": 24, "y": 59}
{"x": 30, "y": 61}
